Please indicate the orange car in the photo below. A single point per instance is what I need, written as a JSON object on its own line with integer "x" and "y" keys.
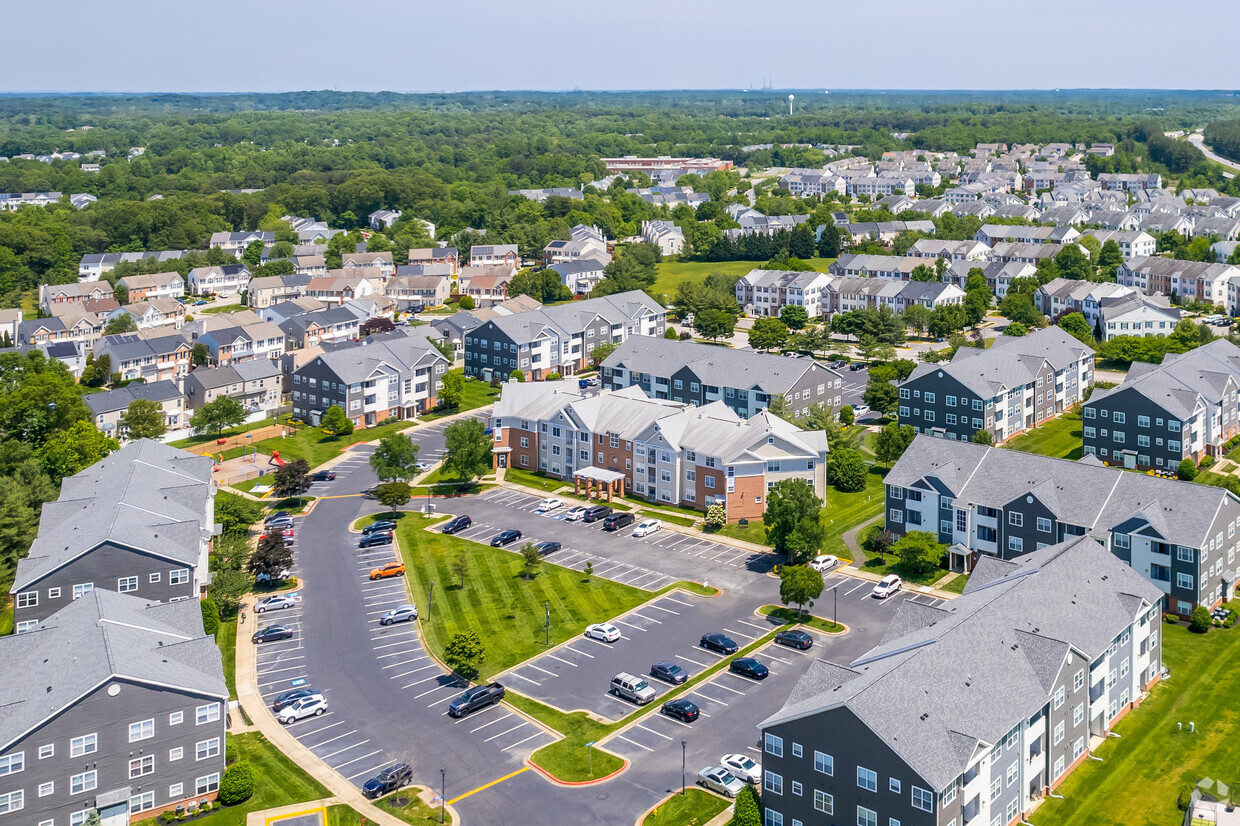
{"x": 390, "y": 569}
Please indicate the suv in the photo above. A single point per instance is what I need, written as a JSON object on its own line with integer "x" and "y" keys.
{"x": 374, "y": 540}
{"x": 388, "y": 780}
{"x": 595, "y": 513}
{"x": 311, "y": 706}
{"x": 457, "y": 523}
{"x": 633, "y": 688}
{"x": 616, "y": 521}
{"x": 888, "y": 586}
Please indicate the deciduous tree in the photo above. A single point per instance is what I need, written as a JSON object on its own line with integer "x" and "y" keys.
{"x": 846, "y": 469}
{"x": 468, "y": 450}
{"x": 293, "y": 479}
{"x": 395, "y": 459}
{"x": 143, "y": 419}
{"x": 453, "y": 391}
{"x": 393, "y": 495}
{"x": 70, "y": 451}
{"x": 767, "y": 334}
{"x": 218, "y": 415}
{"x": 799, "y": 585}
{"x": 336, "y": 422}
{"x": 789, "y": 502}
{"x": 464, "y": 653}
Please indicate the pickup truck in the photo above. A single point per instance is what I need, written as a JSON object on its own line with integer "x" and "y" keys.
{"x": 480, "y": 696}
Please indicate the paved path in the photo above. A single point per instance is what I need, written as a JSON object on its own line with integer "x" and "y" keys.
{"x": 1199, "y": 142}
{"x": 853, "y": 546}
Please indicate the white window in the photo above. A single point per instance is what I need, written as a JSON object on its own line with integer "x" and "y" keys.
{"x": 82, "y": 589}
{"x": 893, "y": 785}
{"x": 824, "y": 763}
{"x": 29, "y": 599}
{"x": 176, "y": 791}
{"x": 207, "y": 783}
{"x": 1078, "y": 714}
{"x": 1012, "y": 772}
{"x": 1058, "y": 733}
{"x": 1058, "y": 767}
{"x": 84, "y": 782}
{"x": 53, "y": 593}
{"x": 140, "y": 766}
{"x": 1183, "y": 580}
{"x": 205, "y": 749}
{"x": 824, "y": 802}
{"x": 127, "y": 584}
{"x": 12, "y": 763}
{"x": 47, "y": 751}
{"x": 176, "y": 718}
{"x": 773, "y": 818}
{"x": 1078, "y": 680}
{"x": 996, "y": 789}
{"x": 142, "y": 802}
{"x": 47, "y": 788}
{"x": 175, "y": 754}
{"x": 923, "y": 799}
{"x": 1044, "y": 525}
{"x": 1078, "y": 747}
{"x": 86, "y": 744}
{"x": 867, "y": 779}
{"x": 774, "y": 745}
{"x": 797, "y": 751}
{"x": 1059, "y": 697}
{"x": 154, "y": 577}
{"x": 1016, "y": 519}
{"x": 143, "y": 730}
{"x": 773, "y": 783}
{"x": 866, "y": 817}
{"x": 178, "y": 577}
{"x": 12, "y": 801}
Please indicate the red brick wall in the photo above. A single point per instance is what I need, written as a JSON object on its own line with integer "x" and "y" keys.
{"x": 512, "y": 439}
{"x": 741, "y": 504}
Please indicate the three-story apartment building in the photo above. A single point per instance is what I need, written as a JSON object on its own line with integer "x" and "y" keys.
{"x": 767, "y": 292}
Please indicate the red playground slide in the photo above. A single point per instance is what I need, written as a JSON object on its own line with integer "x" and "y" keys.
{"x": 275, "y": 457}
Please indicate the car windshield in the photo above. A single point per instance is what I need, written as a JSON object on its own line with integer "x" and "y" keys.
{"x": 641, "y": 684}
{"x": 727, "y": 777}
{"x": 744, "y": 763}
{"x": 466, "y": 697}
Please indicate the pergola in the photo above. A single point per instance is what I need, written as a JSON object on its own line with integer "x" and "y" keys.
{"x": 599, "y": 482}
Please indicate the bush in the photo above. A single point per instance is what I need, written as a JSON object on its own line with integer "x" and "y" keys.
{"x": 552, "y": 377}
{"x": 1187, "y": 471}
{"x": 210, "y": 616}
{"x": 1206, "y": 461}
{"x": 1200, "y": 621}
{"x": 237, "y": 784}
{"x": 686, "y": 336}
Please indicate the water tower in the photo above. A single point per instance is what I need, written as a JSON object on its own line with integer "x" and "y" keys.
{"x": 790, "y": 99}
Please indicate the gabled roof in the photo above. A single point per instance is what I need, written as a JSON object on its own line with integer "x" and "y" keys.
{"x": 1208, "y": 373}
{"x": 111, "y": 401}
{"x": 1012, "y": 361}
{"x": 357, "y": 362}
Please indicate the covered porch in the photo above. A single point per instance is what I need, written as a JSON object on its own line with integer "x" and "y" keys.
{"x": 598, "y": 483}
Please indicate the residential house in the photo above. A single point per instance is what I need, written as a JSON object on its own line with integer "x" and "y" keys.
{"x": 134, "y": 356}
{"x": 257, "y": 384}
{"x": 1222, "y": 229}
{"x": 109, "y": 406}
{"x": 1065, "y": 216}
{"x": 810, "y": 183}
{"x": 993, "y": 234}
{"x": 1132, "y": 243}
{"x": 951, "y": 250}
{"x": 436, "y": 255}
{"x": 52, "y": 295}
{"x": 321, "y": 326}
{"x": 1185, "y": 280}
{"x": 415, "y": 293}
{"x": 1130, "y": 182}
{"x": 383, "y": 218}
{"x": 228, "y": 345}
{"x": 581, "y": 275}
{"x": 486, "y": 285}
{"x": 895, "y": 267}
{"x": 1066, "y": 295}
{"x": 541, "y": 195}
{"x": 493, "y": 254}
{"x": 665, "y": 235}
{"x": 382, "y": 261}
{"x": 154, "y": 314}
{"x": 583, "y": 242}
{"x": 313, "y": 265}
{"x": 1022, "y": 253}
{"x": 236, "y": 242}
{"x": 272, "y": 289}
{"x": 345, "y": 285}
{"x": 999, "y": 274}
{"x": 222, "y": 281}
{"x": 71, "y": 323}
{"x": 10, "y": 319}
{"x": 13, "y": 201}
{"x": 1137, "y": 314}
{"x": 156, "y": 285}
{"x": 767, "y": 292}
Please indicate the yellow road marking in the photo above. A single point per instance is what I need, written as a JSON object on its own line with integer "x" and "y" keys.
{"x": 342, "y": 496}
{"x": 489, "y": 785}
{"x": 277, "y": 818}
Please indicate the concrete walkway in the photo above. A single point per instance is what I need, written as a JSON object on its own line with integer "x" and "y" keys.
{"x": 850, "y": 540}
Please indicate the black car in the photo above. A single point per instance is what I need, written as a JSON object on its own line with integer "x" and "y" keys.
{"x": 381, "y": 525}
{"x": 595, "y": 513}
{"x": 505, "y": 538}
{"x": 457, "y": 523}
{"x": 376, "y": 539}
{"x": 272, "y": 633}
{"x": 794, "y": 639}
{"x": 323, "y": 476}
{"x": 277, "y": 516}
{"x": 545, "y": 548}
{"x": 749, "y": 667}
{"x": 682, "y": 710}
{"x": 388, "y": 780}
{"x": 857, "y": 365}
{"x": 718, "y": 642}
{"x": 289, "y": 697}
{"x": 669, "y": 673}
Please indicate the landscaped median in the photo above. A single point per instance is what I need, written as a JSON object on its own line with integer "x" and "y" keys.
{"x": 695, "y": 806}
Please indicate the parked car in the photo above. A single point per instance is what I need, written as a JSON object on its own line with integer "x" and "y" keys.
{"x": 647, "y": 527}
{"x": 720, "y": 780}
{"x": 720, "y": 643}
{"x": 616, "y": 521}
{"x": 632, "y": 687}
{"x": 272, "y": 633}
{"x": 480, "y": 696}
{"x": 794, "y": 639}
{"x": 548, "y": 547}
{"x": 376, "y": 527}
{"x": 279, "y": 576}
{"x": 402, "y": 613}
{"x": 422, "y": 467}
{"x": 685, "y": 711}
{"x": 669, "y": 672}
{"x": 457, "y": 523}
{"x": 312, "y": 706}
{"x": 549, "y": 504}
{"x": 288, "y": 534}
{"x": 823, "y": 562}
{"x": 574, "y": 514}
{"x": 289, "y": 697}
{"x": 743, "y": 767}
{"x": 323, "y": 476}
{"x": 388, "y": 780}
{"x": 276, "y": 602}
{"x": 389, "y": 570}
{"x": 749, "y": 667}
{"x": 856, "y": 365}
{"x": 888, "y": 586}
{"x": 596, "y": 512}
{"x": 505, "y": 538}
{"x": 277, "y": 516}
{"x": 603, "y": 631}
{"x": 376, "y": 539}
{"x": 860, "y": 410}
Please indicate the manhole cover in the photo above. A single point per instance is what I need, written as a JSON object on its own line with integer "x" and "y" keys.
{"x": 602, "y": 796}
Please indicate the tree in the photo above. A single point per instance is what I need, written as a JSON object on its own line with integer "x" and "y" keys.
{"x": 846, "y": 469}
{"x": 748, "y": 809}
{"x": 468, "y": 450}
{"x": 882, "y": 396}
{"x": 919, "y": 551}
{"x": 272, "y": 557}
{"x": 210, "y": 616}
{"x": 393, "y": 495}
{"x": 453, "y": 391}
{"x": 467, "y": 302}
{"x": 983, "y": 437}
{"x": 143, "y": 419}
{"x": 801, "y": 244}
{"x": 1075, "y": 325}
{"x": 517, "y": 375}
{"x": 847, "y": 415}
{"x": 293, "y": 479}
{"x": 395, "y": 459}
{"x": 1199, "y": 621}
{"x": 601, "y": 351}
{"x": 70, "y": 451}
{"x": 670, "y": 334}
{"x": 1110, "y": 257}
{"x": 464, "y": 653}
{"x": 200, "y": 356}
{"x": 794, "y": 316}
{"x": 790, "y": 502}
{"x": 923, "y": 273}
{"x": 218, "y": 415}
{"x": 531, "y": 560}
{"x": 1015, "y": 329}
{"x": 460, "y": 569}
{"x": 714, "y": 324}
{"x": 335, "y": 421}
{"x": 767, "y": 334}
{"x": 1187, "y": 471}
{"x": 917, "y": 316}
{"x": 588, "y": 571}
{"x": 1019, "y": 307}
{"x": 378, "y": 324}
{"x": 19, "y": 524}
{"x": 1073, "y": 263}
{"x": 38, "y": 396}
{"x": 236, "y": 514}
{"x": 716, "y": 517}
{"x": 253, "y": 255}
{"x": 120, "y": 323}
{"x": 237, "y": 783}
{"x": 829, "y": 242}
{"x": 799, "y": 585}
{"x": 892, "y": 441}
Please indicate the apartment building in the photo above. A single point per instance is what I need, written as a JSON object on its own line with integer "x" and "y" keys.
{"x": 319, "y": 326}
{"x": 222, "y": 281}
{"x": 663, "y": 450}
{"x": 153, "y": 286}
{"x": 894, "y": 267}
{"x": 1187, "y": 280}
{"x": 972, "y": 712}
{"x": 767, "y": 292}
{"x": 1016, "y": 385}
{"x": 166, "y": 314}
{"x": 53, "y": 295}
{"x": 272, "y": 289}
{"x": 236, "y": 242}
{"x": 1130, "y": 182}
{"x": 665, "y": 235}
{"x": 114, "y": 704}
{"x": 255, "y": 384}
{"x": 1066, "y": 295}
{"x": 951, "y": 250}
{"x": 1131, "y": 243}
{"x": 157, "y": 358}
{"x": 986, "y": 501}
{"x": 340, "y": 286}
{"x": 486, "y": 284}
{"x": 1137, "y": 315}
{"x": 559, "y": 339}
{"x": 582, "y": 242}
{"x": 138, "y": 522}
{"x": 381, "y": 261}
{"x": 1184, "y": 408}
{"x": 108, "y": 406}
{"x": 998, "y": 274}
{"x": 488, "y": 255}
{"x": 236, "y": 343}
{"x": 699, "y": 374}
{"x": 992, "y": 234}
{"x": 416, "y": 292}
{"x": 94, "y": 265}
{"x": 437, "y": 255}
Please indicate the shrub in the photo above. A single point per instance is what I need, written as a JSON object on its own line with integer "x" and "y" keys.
{"x": 552, "y": 377}
{"x": 237, "y": 784}
{"x": 686, "y": 336}
{"x": 1187, "y": 471}
{"x": 1200, "y": 621}
{"x": 210, "y": 616}
{"x": 1206, "y": 461}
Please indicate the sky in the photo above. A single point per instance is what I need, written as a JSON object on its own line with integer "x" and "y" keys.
{"x": 458, "y": 45}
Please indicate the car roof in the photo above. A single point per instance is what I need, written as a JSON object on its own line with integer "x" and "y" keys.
{"x": 891, "y": 578}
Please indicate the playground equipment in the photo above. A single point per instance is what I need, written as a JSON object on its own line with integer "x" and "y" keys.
{"x": 275, "y": 459}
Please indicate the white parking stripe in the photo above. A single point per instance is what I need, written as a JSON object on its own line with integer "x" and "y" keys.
{"x": 355, "y": 759}
{"x": 699, "y": 693}
{"x": 332, "y": 740}
{"x": 566, "y": 662}
{"x": 519, "y": 677}
{"x": 278, "y": 670}
{"x": 717, "y": 684}
{"x": 652, "y": 731}
{"x": 400, "y": 654}
{"x": 519, "y": 742}
{"x": 390, "y": 644}
{"x": 739, "y": 634}
{"x": 861, "y": 584}
{"x": 325, "y": 728}
{"x": 502, "y": 733}
{"x": 630, "y": 625}
{"x": 543, "y": 670}
{"x": 661, "y": 608}
{"x": 695, "y": 662}
{"x": 327, "y": 757}
{"x": 633, "y": 742}
{"x": 370, "y": 770}
{"x": 646, "y": 618}
{"x": 484, "y": 725}
{"x": 753, "y": 625}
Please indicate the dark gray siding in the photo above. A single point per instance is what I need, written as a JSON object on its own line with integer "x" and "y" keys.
{"x": 928, "y": 416}
{"x": 1099, "y": 417}
{"x": 499, "y": 359}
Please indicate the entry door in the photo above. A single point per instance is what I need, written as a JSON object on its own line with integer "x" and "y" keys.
{"x": 114, "y": 815}
{"x": 1130, "y": 460}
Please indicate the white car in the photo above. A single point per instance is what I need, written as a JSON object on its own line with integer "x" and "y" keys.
{"x": 720, "y": 780}
{"x": 422, "y": 467}
{"x": 549, "y": 504}
{"x": 311, "y": 706}
{"x": 860, "y": 410}
{"x": 743, "y": 767}
{"x": 647, "y": 527}
{"x": 575, "y": 514}
{"x": 888, "y": 586}
{"x": 278, "y": 602}
{"x": 603, "y": 631}
{"x": 824, "y": 562}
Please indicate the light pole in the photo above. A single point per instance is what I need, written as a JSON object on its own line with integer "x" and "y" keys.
{"x": 835, "y": 604}
{"x": 683, "y": 744}
{"x": 547, "y": 608}
{"x": 443, "y": 785}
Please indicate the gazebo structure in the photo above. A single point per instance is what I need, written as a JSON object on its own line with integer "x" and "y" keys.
{"x": 599, "y": 482}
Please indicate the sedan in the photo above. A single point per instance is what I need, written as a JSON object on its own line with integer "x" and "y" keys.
{"x": 669, "y": 672}
{"x": 278, "y": 576}
{"x": 825, "y": 562}
{"x": 458, "y": 523}
{"x": 388, "y": 570}
{"x": 743, "y": 767}
{"x": 272, "y": 633}
{"x": 647, "y": 527}
{"x": 603, "y": 631}
{"x": 403, "y": 613}
{"x": 422, "y": 467}
{"x": 720, "y": 780}
{"x": 575, "y": 514}
{"x": 278, "y": 530}
{"x": 323, "y": 476}
{"x": 794, "y": 639}
{"x": 376, "y": 539}
{"x": 505, "y": 538}
{"x": 311, "y": 706}
{"x": 749, "y": 667}
{"x": 683, "y": 710}
{"x": 720, "y": 643}
{"x": 290, "y": 697}
{"x": 548, "y": 547}
{"x": 282, "y": 524}
{"x": 550, "y": 504}
{"x": 388, "y": 780}
{"x": 888, "y": 586}
{"x": 381, "y": 525}
{"x": 277, "y": 516}
{"x": 278, "y": 602}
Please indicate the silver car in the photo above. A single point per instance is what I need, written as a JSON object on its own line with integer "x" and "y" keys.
{"x": 720, "y": 780}
{"x": 403, "y": 613}
{"x": 276, "y": 602}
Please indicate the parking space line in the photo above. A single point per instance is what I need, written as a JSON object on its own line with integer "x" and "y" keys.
{"x": 325, "y": 728}
{"x": 770, "y": 656}
{"x": 543, "y": 670}
{"x": 566, "y": 662}
{"x": 630, "y": 625}
{"x": 519, "y": 742}
{"x": 681, "y": 601}
{"x": 355, "y": 759}
{"x": 502, "y": 733}
{"x": 365, "y": 771}
{"x": 700, "y": 693}
{"x": 425, "y": 693}
{"x": 646, "y": 618}
{"x": 400, "y": 654}
{"x": 484, "y": 725}
{"x": 278, "y": 670}
{"x": 752, "y": 625}
{"x": 661, "y": 608}
{"x": 390, "y": 635}
{"x": 861, "y": 584}
{"x": 327, "y": 757}
{"x": 519, "y": 677}
{"x": 389, "y": 645}
{"x": 280, "y": 681}
{"x": 633, "y": 742}
{"x": 652, "y": 731}
{"x": 717, "y": 684}
{"x": 695, "y": 662}
{"x": 742, "y": 636}
{"x": 332, "y": 740}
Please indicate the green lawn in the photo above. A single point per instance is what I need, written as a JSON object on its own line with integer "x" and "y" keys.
{"x": 226, "y": 638}
{"x": 693, "y": 808}
{"x": 232, "y": 431}
{"x": 533, "y": 480}
{"x": 278, "y": 781}
{"x": 476, "y": 394}
{"x": 956, "y": 586}
{"x": 791, "y": 615}
{"x": 316, "y": 447}
{"x": 505, "y": 610}
{"x": 414, "y": 811}
{"x": 671, "y": 273}
{"x": 1060, "y": 438}
{"x": 1152, "y": 762}
{"x": 222, "y": 308}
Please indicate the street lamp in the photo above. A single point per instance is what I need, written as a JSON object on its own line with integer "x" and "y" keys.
{"x": 835, "y": 604}
{"x": 547, "y": 608}
{"x": 683, "y": 744}
{"x": 443, "y": 785}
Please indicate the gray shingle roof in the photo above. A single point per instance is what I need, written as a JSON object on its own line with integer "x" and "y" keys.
{"x": 110, "y": 401}
{"x": 1176, "y": 384}
{"x": 358, "y": 362}
{"x": 1011, "y": 361}
{"x": 573, "y": 317}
